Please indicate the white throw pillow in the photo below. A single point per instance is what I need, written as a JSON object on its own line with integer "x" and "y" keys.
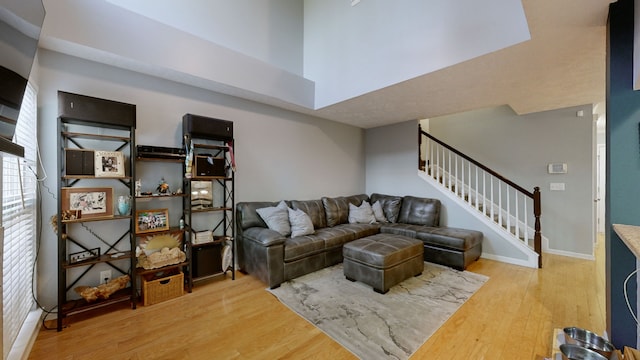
{"x": 378, "y": 213}
{"x": 361, "y": 214}
{"x": 276, "y": 218}
{"x": 300, "y": 223}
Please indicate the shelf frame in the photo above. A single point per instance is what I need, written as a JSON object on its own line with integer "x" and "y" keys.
{"x": 80, "y": 117}
{"x": 225, "y": 224}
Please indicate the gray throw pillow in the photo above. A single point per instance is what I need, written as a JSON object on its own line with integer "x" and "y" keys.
{"x": 378, "y": 213}
{"x": 361, "y": 214}
{"x": 276, "y": 218}
{"x": 300, "y": 223}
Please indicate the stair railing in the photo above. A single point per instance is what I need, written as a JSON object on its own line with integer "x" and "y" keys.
{"x": 505, "y": 202}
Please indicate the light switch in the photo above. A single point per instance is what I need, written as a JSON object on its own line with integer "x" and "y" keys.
{"x": 556, "y": 187}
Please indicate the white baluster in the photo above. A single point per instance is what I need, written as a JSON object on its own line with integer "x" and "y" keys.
{"x": 526, "y": 221}
{"x": 508, "y": 208}
{"x": 500, "y": 202}
{"x": 491, "y": 192}
{"x": 449, "y": 171}
{"x": 517, "y": 218}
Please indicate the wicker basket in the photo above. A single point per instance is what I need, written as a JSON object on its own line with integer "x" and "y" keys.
{"x": 159, "y": 290}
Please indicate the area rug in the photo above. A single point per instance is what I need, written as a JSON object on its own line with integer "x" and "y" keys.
{"x": 376, "y": 326}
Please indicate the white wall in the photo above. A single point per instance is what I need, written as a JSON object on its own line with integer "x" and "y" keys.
{"x": 269, "y": 30}
{"x": 100, "y": 31}
{"x": 280, "y": 154}
{"x": 521, "y": 147}
{"x": 392, "y": 168}
{"x": 349, "y": 51}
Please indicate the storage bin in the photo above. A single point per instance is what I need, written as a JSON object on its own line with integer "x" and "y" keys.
{"x": 159, "y": 290}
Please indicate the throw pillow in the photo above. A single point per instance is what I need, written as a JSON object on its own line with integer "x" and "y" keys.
{"x": 361, "y": 214}
{"x": 378, "y": 213}
{"x": 300, "y": 223}
{"x": 276, "y": 218}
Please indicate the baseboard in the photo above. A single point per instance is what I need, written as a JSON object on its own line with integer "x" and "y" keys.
{"x": 509, "y": 260}
{"x": 570, "y": 254}
{"x": 27, "y": 336}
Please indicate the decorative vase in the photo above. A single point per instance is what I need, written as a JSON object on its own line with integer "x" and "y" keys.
{"x": 124, "y": 204}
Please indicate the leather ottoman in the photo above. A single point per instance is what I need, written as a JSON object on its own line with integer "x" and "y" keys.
{"x": 383, "y": 260}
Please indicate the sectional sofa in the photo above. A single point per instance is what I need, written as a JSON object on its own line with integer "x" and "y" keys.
{"x": 272, "y": 257}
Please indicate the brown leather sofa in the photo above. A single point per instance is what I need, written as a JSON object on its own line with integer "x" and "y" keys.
{"x": 274, "y": 258}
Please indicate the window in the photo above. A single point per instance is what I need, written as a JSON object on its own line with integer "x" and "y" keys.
{"x": 19, "y": 191}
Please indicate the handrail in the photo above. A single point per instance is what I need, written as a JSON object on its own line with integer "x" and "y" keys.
{"x": 535, "y": 195}
{"x": 476, "y": 163}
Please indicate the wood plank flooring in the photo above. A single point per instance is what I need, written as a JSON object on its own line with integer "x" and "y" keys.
{"x": 511, "y": 317}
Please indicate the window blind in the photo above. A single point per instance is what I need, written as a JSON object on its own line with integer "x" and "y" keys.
{"x": 19, "y": 190}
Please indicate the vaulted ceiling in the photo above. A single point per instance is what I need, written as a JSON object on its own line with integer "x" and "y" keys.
{"x": 562, "y": 65}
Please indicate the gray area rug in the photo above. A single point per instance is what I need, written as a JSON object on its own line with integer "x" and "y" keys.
{"x": 376, "y": 326}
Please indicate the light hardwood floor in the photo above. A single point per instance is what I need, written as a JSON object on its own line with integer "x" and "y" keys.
{"x": 511, "y": 317}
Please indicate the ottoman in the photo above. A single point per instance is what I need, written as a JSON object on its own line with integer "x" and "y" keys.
{"x": 383, "y": 260}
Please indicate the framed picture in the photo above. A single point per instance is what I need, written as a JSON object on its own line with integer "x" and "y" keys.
{"x": 109, "y": 163}
{"x": 152, "y": 243}
{"x": 91, "y": 202}
{"x": 152, "y": 220}
{"x": 201, "y": 195}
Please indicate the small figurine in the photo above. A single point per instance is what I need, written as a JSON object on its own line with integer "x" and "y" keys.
{"x": 138, "y": 187}
{"x": 163, "y": 187}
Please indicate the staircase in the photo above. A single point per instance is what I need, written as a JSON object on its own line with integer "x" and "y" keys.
{"x": 511, "y": 208}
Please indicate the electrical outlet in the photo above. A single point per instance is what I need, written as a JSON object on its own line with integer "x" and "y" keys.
{"x": 105, "y": 276}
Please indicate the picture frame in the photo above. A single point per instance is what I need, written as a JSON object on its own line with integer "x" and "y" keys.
{"x": 152, "y": 220}
{"x": 94, "y": 202}
{"x": 201, "y": 195}
{"x": 151, "y": 242}
{"x": 109, "y": 164}
{"x": 84, "y": 255}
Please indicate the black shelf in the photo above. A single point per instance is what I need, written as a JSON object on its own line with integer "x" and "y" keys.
{"x": 159, "y": 196}
{"x": 165, "y": 197}
{"x": 155, "y": 159}
{"x": 212, "y": 138}
{"x": 142, "y": 271}
{"x": 100, "y": 218}
{"x": 106, "y": 258}
{"x": 85, "y": 124}
{"x": 78, "y": 306}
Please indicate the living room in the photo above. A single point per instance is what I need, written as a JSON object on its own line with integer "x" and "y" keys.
{"x": 304, "y": 147}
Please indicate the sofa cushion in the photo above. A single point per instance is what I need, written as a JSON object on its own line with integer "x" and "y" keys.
{"x": 335, "y": 237}
{"x": 337, "y": 208}
{"x": 440, "y": 237}
{"x": 361, "y": 214}
{"x": 451, "y": 238}
{"x": 300, "y": 223}
{"x": 263, "y": 236}
{"x": 378, "y": 213}
{"x": 303, "y": 246}
{"x": 247, "y": 216}
{"x": 276, "y": 218}
{"x": 314, "y": 209}
{"x": 359, "y": 230}
{"x": 390, "y": 205}
{"x": 420, "y": 211}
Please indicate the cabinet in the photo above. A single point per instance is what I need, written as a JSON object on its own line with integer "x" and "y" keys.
{"x": 96, "y": 138}
{"x": 153, "y": 171}
{"x": 208, "y": 210}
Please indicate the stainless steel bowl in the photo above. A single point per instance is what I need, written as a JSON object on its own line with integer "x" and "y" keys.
{"x": 585, "y": 338}
{"x": 577, "y": 352}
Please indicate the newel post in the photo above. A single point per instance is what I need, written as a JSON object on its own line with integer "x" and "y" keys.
{"x": 537, "y": 211}
{"x": 419, "y": 146}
